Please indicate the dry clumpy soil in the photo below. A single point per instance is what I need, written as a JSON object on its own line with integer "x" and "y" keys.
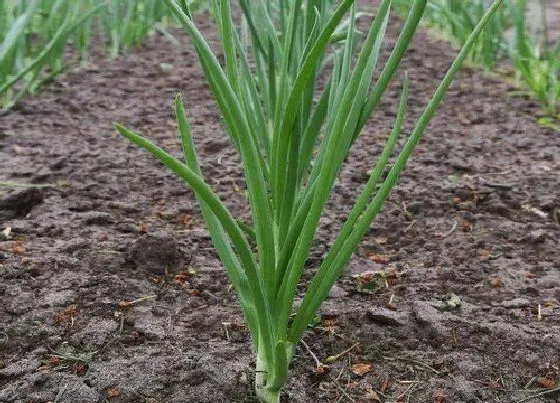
{"x": 111, "y": 292}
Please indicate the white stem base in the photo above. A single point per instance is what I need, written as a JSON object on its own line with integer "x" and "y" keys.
{"x": 268, "y": 396}
{"x": 265, "y": 395}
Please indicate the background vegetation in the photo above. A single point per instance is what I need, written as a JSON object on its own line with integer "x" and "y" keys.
{"x": 511, "y": 39}
{"x": 42, "y": 38}
{"x": 38, "y": 34}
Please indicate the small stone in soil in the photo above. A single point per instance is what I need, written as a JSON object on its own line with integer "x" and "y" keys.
{"x": 337, "y": 292}
{"x": 96, "y": 218}
{"x": 386, "y": 317}
{"x": 20, "y": 203}
{"x": 547, "y": 202}
{"x": 537, "y": 236}
{"x": 494, "y": 204}
{"x": 155, "y": 252}
{"x": 516, "y": 303}
{"x": 428, "y": 315}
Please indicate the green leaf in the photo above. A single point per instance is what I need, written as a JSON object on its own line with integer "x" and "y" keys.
{"x": 217, "y": 232}
{"x": 229, "y": 224}
{"x": 257, "y": 189}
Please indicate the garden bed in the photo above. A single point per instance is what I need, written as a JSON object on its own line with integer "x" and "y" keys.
{"x": 111, "y": 290}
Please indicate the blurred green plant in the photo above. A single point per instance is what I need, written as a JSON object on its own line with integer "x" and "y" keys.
{"x": 127, "y": 23}
{"x": 536, "y": 61}
{"x": 457, "y": 19}
{"x": 35, "y": 36}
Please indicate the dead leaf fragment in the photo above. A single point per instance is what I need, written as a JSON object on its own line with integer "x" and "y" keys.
{"x": 126, "y": 304}
{"x": 182, "y": 279}
{"x": 328, "y": 328}
{"x": 67, "y": 316}
{"x": 484, "y": 254}
{"x": 385, "y": 385}
{"x": 381, "y": 259}
{"x": 352, "y": 385}
{"x": 493, "y": 384}
{"x": 547, "y": 382}
{"x": 113, "y": 392}
{"x": 186, "y": 220}
{"x": 321, "y": 369}
{"x": 361, "y": 369}
{"x": 495, "y": 282}
{"x": 49, "y": 364}
{"x": 381, "y": 240}
{"x": 439, "y": 396}
{"x": 18, "y": 248}
{"x": 371, "y": 281}
{"x": 391, "y": 276}
{"x": 79, "y": 368}
{"x": 142, "y": 228}
{"x": 552, "y": 304}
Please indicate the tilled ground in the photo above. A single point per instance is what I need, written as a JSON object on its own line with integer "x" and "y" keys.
{"x": 111, "y": 290}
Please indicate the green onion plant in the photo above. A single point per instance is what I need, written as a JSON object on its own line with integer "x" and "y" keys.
{"x": 460, "y": 17}
{"x": 128, "y": 22}
{"x": 295, "y": 91}
{"x": 457, "y": 19}
{"x": 537, "y": 63}
{"x": 536, "y": 60}
{"x": 35, "y": 34}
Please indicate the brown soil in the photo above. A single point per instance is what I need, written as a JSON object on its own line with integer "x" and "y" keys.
{"x": 476, "y": 214}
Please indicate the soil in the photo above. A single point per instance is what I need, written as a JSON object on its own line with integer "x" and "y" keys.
{"x": 111, "y": 290}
